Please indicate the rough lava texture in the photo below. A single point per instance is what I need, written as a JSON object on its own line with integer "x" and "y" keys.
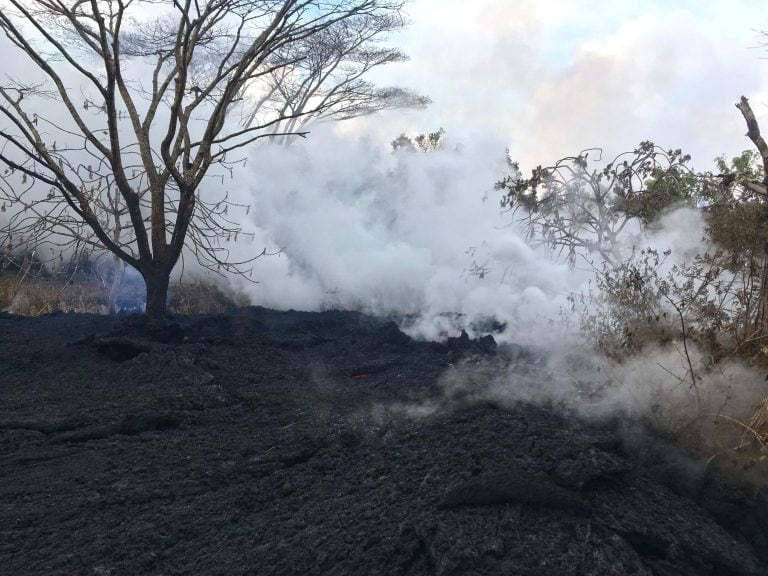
{"x": 266, "y": 442}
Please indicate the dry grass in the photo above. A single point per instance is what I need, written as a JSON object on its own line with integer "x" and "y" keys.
{"x": 202, "y": 298}
{"x": 33, "y": 296}
{"x": 758, "y": 423}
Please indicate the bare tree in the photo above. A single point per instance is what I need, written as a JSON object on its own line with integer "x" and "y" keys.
{"x": 131, "y": 119}
{"x": 325, "y": 76}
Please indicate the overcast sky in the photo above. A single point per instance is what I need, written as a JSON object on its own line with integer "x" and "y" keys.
{"x": 550, "y": 77}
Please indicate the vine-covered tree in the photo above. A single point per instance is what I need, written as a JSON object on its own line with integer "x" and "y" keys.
{"x": 739, "y": 226}
{"x": 579, "y": 205}
{"x": 717, "y": 299}
{"x": 132, "y": 108}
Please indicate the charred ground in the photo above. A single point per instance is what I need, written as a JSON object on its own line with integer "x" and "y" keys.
{"x": 265, "y": 442}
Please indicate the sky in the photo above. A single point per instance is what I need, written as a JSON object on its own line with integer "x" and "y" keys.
{"x": 552, "y": 77}
{"x": 548, "y": 78}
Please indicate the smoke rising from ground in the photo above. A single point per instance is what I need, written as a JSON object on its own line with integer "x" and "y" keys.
{"x": 361, "y": 227}
{"x": 395, "y": 233}
{"x": 421, "y": 237}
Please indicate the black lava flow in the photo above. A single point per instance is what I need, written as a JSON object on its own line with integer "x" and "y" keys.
{"x": 264, "y": 442}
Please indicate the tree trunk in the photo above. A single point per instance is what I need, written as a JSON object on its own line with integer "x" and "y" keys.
{"x": 761, "y": 188}
{"x": 157, "y": 293}
{"x": 762, "y": 315}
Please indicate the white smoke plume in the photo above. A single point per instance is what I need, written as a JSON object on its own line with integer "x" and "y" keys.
{"x": 394, "y": 233}
{"x": 422, "y": 235}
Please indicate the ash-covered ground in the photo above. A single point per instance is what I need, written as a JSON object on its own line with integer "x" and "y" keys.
{"x": 266, "y": 442}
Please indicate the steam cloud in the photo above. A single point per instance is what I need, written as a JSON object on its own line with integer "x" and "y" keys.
{"x": 409, "y": 234}
{"x": 394, "y": 233}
